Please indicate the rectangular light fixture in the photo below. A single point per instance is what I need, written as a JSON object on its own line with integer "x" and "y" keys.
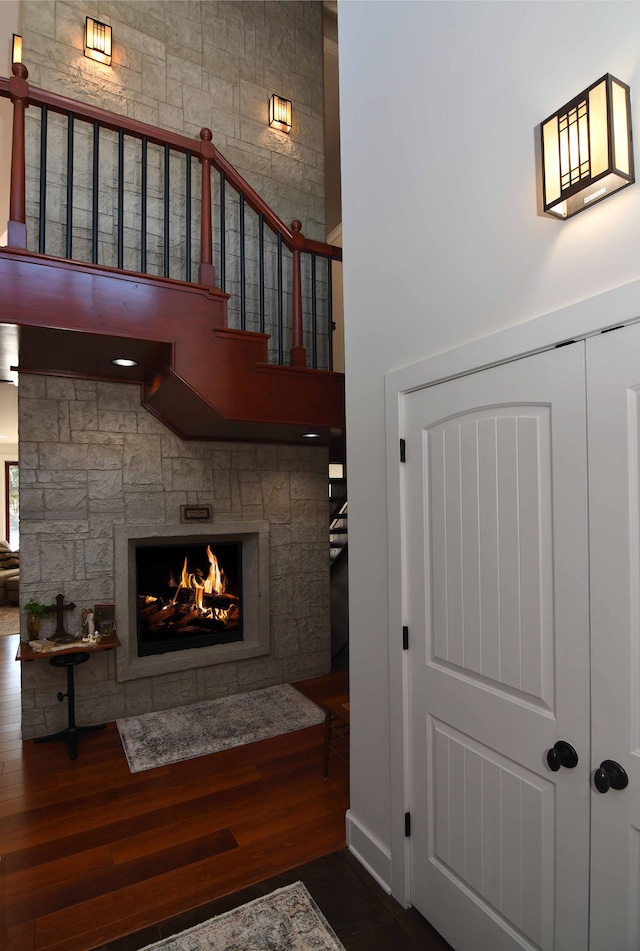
{"x": 587, "y": 149}
{"x": 280, "y": 113}
{"x": 16, "y": 49}
{"x": 97, "y": 41}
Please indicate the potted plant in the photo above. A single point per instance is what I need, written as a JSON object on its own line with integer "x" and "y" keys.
{"x": 35, "y": 611}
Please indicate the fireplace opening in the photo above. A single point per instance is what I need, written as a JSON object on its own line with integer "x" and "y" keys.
{"x": 188, "y": 595}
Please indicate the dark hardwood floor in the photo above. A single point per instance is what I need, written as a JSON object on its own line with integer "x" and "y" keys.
{"x": 91, "y": 853}
{"x": 95, "y": 858}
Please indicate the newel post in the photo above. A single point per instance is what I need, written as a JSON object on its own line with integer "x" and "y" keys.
{"x": 207, "y": 152}
{"x": 298, "y": 355}
{"x": 17, "y": 224}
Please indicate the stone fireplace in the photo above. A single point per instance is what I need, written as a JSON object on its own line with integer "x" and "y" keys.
{"x": 134, "y": 541}
{"x": 96, "y": 471}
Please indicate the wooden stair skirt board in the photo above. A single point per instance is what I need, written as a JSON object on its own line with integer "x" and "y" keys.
{"x": 202, "y": 379}
{"x": 270, "y": 406}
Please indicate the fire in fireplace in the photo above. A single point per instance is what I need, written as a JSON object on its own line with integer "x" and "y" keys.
{"x": 188, "y": 595}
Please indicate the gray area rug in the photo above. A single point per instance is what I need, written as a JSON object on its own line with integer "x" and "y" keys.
{"x": 286, "y": 920}
{"x": 9, "y": 621}
{"x": 170, "y": 736}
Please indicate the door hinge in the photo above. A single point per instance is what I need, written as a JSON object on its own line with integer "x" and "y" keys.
{"x": 405, "y": 638}
{"x": 403, "y": 451}
{"x": 407, "y": 824}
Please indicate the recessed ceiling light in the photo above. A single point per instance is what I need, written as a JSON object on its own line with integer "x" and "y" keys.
{"x": 124, "y": 362}
{"x": 311, "y": 435}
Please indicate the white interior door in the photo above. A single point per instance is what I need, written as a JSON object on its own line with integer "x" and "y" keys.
{"x": 497, "y": 607}
{"x": 613, "y": 389}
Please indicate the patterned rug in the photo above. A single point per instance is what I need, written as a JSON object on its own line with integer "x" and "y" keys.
{"x": 170, "y": 736}
{"x": 9, "y": 621}
{"x": 285, "y": 920}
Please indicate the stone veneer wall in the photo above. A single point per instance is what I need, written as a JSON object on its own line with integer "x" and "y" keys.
{"x": 91, "y": 457}
{"x": 184, "y": 65}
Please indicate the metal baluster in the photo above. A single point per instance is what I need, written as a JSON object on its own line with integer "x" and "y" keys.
{"x": 43, "y": 178}
{"x": 143, "y": 204}
{"x": 120, "y": 198}
{"x": 187, "y": 188}
{"x": 166, "y": 210}
{"x": 223, "y": 269}
{"x": 69, "y": 242}
{"x": 243, "y": 294}
{"x": 94, "y": 197}
{"x": 261, "y": 265}
{"x": 314, "y": 314}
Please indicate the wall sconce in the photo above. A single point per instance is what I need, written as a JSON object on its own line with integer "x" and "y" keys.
{"x": 16, "y": 49}
{"x": 587, "y": 152}
{"x": 280, "y": 113}
{"x": 97, "y": 41}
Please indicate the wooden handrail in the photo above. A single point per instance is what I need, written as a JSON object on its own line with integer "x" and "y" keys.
{"x": 202, "y": 149}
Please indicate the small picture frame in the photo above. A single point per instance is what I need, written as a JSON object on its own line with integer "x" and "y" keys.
{"x": 105, "y": 619}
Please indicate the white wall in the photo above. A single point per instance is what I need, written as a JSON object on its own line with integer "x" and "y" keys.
{"x": 9, "y": 24}
{"x": 443, "y": 244}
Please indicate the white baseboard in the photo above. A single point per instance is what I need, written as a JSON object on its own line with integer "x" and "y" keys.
{"x": 371, "y": 854}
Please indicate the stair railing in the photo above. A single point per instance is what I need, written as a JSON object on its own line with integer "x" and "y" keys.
{"x": 279, "y": 250}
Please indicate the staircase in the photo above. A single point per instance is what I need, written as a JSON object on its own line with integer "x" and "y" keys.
{"x": 230, "y": 334}
{"x": 338, "y": 535}
{"x": 338, "y": 548}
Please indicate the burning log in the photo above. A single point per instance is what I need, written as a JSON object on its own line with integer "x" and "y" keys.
{"x": 222, "y": 599}
{"x": 156, "y": 611}
{"x": 192, "y": 615}
{"x": 147, "y": 606}
{"x": 160, "y": 618}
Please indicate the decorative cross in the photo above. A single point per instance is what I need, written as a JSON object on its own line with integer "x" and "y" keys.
{"x": 60, "y": 636}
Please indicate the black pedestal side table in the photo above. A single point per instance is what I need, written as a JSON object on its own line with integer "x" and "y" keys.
{"x": 72, "y": 733}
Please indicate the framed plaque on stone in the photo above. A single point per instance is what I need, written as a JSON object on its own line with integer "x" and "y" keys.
{"x": 105, "y": 618}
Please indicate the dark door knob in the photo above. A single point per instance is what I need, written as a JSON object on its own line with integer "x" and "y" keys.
{"x": 610, "y": 775}
{"x": 561, "y": 754}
